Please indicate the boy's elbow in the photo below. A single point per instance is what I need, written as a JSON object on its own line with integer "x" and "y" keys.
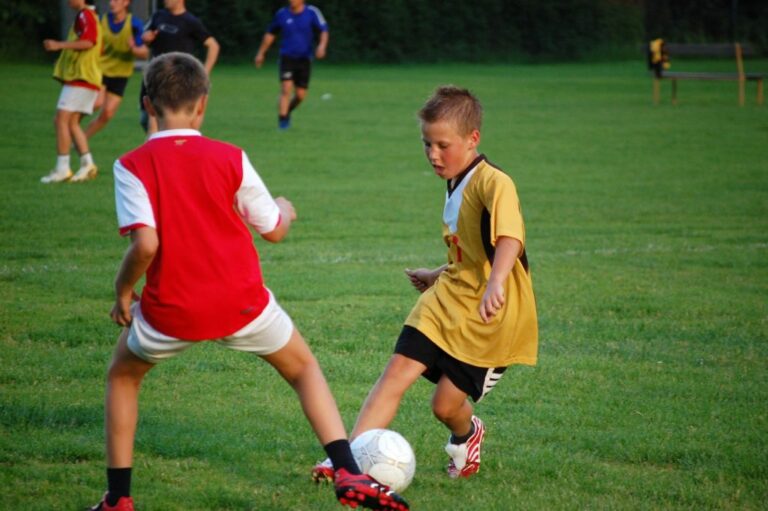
{"x": 274, "y": 236}
{"x": 145, "y": 243}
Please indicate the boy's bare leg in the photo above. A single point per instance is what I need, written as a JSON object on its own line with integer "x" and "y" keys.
{"x": 122, "y": 402}
{"x": 78, "y": 135}
{"x": 63, "y": 136}
{"x": 380, "y": 407}
{"x": 299, "y": 367}
{"x": 286, "y": 91}
{"x": 451, "y": 407}
{"x": 109, "y": 107}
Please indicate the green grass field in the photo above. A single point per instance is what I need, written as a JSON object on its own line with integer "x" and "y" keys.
{"x": 648, "y": 240}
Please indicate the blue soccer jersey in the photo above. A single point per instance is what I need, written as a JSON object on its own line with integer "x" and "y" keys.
{"x": 298, "y": 30}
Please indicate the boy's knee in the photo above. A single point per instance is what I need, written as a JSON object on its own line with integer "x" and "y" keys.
{"x": 443, "y": 411}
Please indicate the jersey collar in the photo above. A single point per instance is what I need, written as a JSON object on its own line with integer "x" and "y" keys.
{"x": 175, "y": 133}
{"x": 463, "y": 174}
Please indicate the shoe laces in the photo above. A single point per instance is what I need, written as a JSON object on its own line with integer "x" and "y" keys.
{"x": 458, "y": 454}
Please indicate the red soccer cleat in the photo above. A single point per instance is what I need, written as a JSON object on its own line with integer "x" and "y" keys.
{"x": 124, "y": 504}
{"x": 363, "y": 490}
{"x": 323, "y": 472}
{"x": 465, "y": 458}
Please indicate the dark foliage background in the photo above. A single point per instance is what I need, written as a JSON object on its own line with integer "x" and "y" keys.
{"x": 447, "y": 30}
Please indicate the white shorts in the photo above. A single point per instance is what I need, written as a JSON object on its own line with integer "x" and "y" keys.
{"x": 264, "y": 335}
{"x": 77, "y": 99}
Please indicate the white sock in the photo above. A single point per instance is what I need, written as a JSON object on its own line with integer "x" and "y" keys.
{"x": 86, "y": 159}
{"x": 62, "y": 163}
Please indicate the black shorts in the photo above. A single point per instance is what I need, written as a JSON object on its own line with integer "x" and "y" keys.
{"x": 115, "y": 85}
{"x": 295, "y": 70}
{"x": 475, "y": 381}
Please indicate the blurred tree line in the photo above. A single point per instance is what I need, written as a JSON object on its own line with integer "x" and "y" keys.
{"x": 447, "y": 30}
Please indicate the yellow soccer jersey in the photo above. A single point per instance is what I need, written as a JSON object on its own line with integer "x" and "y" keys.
{"x": 480, "y": 208}
{"x": 117, "y": 59}
{"x": 81, "y": 65}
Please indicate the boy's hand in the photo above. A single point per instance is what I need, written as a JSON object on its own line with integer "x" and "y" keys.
{"x": 121, "y": 311}
{"x": 148, "y": 36}
{"x": 286, "y": 208}
{"x": 421, "y": 278}
{"x": 51, "y": 45}
{"x": 492, "y": 302}
{"x": 258, "y": 60}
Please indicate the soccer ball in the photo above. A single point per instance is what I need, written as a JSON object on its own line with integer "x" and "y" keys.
{"x": 386, "y": 456}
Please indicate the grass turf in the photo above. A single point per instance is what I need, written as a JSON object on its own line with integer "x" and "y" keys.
{"x": 647, "y": 235}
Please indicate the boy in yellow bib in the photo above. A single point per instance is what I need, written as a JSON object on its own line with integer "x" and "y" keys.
{"x": 78, "y": 70}
{"x": 476, "y": 314}
{"x": 122, "y": 46}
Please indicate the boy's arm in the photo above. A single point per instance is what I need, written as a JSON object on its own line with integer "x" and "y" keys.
{"x": 138, "y": 257}
{"x": 322, "y": 45}
{"x": 287, "y": 216}
{"x": 266, "y": 42}
{"x": 79, "y": 45}
{"x": 212, "y": 54}
{"x": 136, "y": 41}
{"x": 423, "y": 278}
{"x": 507, "y": 251}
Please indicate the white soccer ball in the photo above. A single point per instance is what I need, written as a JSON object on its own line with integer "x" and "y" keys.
{"x": 386, "y": 456}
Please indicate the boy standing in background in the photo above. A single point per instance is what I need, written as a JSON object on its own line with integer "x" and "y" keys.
{"x": 121, "y": 32}
{"x": 77, "y": 68}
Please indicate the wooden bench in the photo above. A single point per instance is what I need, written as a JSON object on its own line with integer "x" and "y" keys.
{"x": 658, "y": 62}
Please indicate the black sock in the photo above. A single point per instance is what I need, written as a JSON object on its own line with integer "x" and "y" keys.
{"x": 293, "y": 104}
{"x": 341, "y": 456}
{"x": 118, "y": 484}
{"x": 458, "y": 440}
{"x": 283, "y": 117}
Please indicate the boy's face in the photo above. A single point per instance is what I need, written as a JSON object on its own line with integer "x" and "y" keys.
{"x": 118, "y": 6}
{"x": 448, "y": 151}
{"x": 173, "y": 4}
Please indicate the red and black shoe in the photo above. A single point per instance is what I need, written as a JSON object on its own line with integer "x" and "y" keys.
{"x": 323, "y": 472}
{"x": 363, "y": 490}
{"x": 124, "y": 504}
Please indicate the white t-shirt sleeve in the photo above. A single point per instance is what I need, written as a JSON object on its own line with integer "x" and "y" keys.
{"x": 132, "y": 201}
{"x": 254, "y": 202}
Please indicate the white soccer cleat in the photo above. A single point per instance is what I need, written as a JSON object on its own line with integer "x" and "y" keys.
{"x": 85, "y": 173}
{"x": 56, "y": 176}
{"x": 465, "y": 458}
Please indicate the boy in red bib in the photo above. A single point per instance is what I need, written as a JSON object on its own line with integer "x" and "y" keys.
{"x": 185, "y": 200}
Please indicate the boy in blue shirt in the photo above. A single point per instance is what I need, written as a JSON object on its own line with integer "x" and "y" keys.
{"x": 298, "y": 23}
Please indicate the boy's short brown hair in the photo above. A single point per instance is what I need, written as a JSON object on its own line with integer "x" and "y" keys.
{"x": 451, "y": 103}
{"x": 175, "y": 81}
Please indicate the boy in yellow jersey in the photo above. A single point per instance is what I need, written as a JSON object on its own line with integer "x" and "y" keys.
{"x": 78, "y": 70}
{"x": 122, "y": 46}
{"x": 476, "y": 314}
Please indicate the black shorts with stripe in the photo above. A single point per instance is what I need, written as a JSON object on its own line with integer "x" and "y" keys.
{"x": 296, "y": 70}
{"x": 475, "y": 381}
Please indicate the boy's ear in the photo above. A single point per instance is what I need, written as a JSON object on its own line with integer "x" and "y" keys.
{"x": 202, "y": 104}
{"x": 474, "y": 138}
{"x": 148, "y": 106}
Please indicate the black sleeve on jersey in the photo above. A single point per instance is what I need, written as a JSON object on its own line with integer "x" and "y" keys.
{"x": 199, "y": 32}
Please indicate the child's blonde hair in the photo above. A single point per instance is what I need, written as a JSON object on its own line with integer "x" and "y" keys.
{"x": 175, "y": 81}
{"x": 454, "y": 104}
